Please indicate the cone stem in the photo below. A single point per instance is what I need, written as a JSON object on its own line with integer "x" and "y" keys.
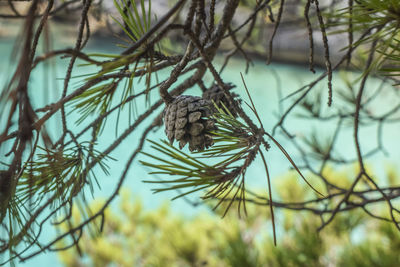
{"x": 166, "y": 97}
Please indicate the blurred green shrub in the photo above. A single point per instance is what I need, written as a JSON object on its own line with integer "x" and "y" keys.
{"x": 133, "y": 236}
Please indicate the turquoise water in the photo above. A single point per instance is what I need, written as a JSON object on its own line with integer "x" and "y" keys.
{"x": 263, "y": 82}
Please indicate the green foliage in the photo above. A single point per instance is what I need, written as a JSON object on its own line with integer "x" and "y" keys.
{"x": 54, "y": 171}
{"x": 379, "y": 249}
{"x": 98, "y": 100}
{"x": 137, "y": 24}
{"x": 55, "y": 176}
{"x": 133, "y": 236}
{"x": 234, "y": 145}
{"x": 381, "y": 19}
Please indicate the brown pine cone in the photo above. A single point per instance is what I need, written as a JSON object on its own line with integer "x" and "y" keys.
{"x": 187, "y": 120}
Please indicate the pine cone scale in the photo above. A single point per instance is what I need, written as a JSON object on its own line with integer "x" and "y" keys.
{"x": 196, "y": 129}
{"x": 180, "y": 123}
{"x": 182, "y": 112}
{"x": 194, "y": 116}
{"x": 216, "y": 94}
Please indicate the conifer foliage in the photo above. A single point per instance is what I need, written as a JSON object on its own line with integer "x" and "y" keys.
{"x": 218, "y": 130}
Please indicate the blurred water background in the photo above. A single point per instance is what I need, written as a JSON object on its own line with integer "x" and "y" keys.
{"x": 267, "y": 85}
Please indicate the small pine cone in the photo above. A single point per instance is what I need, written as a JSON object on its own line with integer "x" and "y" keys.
{"x": 187, "y": 120}
{"x": 216, "y": 94}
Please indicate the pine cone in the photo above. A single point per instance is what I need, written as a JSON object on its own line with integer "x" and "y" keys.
{"x": 216, "y": 94}
{"x": 187, "y": 120}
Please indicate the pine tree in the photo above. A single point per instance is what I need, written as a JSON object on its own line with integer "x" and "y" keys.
{"x": 43, "y": 177}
